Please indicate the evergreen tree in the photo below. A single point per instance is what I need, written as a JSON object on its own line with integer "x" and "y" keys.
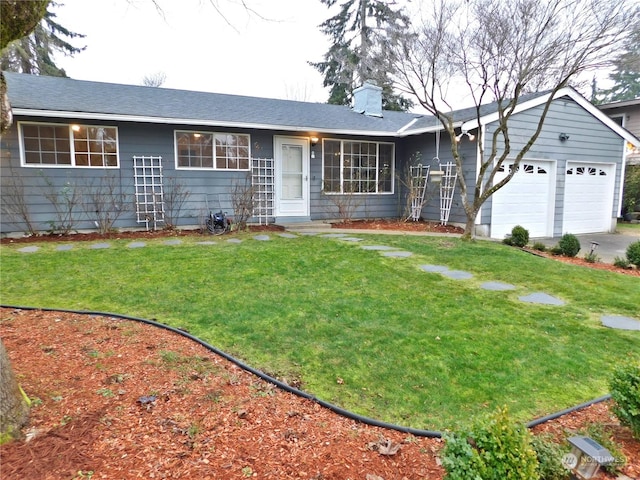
{"x": 359, "y": 34}
{"x": 33, "y": 53}
{"x": 626, "y": 76}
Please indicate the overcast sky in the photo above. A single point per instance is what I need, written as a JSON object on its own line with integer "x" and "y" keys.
{"x": 262, "y": 54}
{"x": 196, "y": 48}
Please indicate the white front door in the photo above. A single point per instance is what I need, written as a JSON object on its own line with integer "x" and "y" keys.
{"x": 292, "y": 176}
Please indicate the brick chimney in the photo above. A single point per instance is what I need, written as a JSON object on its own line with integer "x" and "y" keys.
{"x": 367, "y": 99}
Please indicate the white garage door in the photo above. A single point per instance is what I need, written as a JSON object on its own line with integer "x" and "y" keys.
{"x": 588, "y": 197}
{"x": 526, "y": 200}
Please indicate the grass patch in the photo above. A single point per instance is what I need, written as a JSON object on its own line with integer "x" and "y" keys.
{"x": 373, "y": 334}
{"x": 633, "y": 228}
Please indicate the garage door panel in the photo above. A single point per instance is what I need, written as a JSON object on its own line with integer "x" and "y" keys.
{"x": 588, "y": 200}
{"x": 525, "y": 200}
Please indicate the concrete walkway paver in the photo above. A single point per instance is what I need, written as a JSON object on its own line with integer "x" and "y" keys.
{"x": 497, "y": 286}
{"x": 542, "y": 299}
{"x": 612, "y": 321}
{"x": 619, "y": 322}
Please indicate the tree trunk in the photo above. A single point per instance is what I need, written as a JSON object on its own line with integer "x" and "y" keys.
{"x": 470, "y": 226}
{"x": 14, "y": 411}
{"x": 6, "y": 118}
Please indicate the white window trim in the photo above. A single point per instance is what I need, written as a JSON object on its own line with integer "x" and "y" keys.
{"x": 214, "y": 169}
{"x": 23, "y": 159}
{"x": 378, "y": 143}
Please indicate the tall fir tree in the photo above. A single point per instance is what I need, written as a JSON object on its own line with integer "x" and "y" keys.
{"x": 626, "y": 76}
{"x": 33, "y": 53}
{"x": 359, "y": 35}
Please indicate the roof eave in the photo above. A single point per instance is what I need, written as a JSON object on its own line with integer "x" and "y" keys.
{"x": 563, "y": 92}
{"x": 195, "y": 122}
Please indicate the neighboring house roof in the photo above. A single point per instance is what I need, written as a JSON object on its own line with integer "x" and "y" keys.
{"x": 67, "y": 98}
{"x": 620, "y": 104}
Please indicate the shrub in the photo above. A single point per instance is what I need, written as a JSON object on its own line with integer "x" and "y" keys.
{"x": 507, "y": 240}
{"x": 569, "y": 245}
{"x": 550, "y": 456}
{"x": 625, "y": 391}
{"x": 539, "y": 246}
{"x": 591, "y": 257}
{"x": 633, "y": 253}
{"x": 519, "y": 236}
{"x": 556, "y": 250}
{"x": 495, "y": 449}
{"x": 621, "y": 262}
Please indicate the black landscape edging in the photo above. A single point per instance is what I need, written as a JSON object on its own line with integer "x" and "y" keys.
{"x": 288, "y": 388}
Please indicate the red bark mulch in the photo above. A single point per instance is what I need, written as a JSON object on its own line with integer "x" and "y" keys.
{"x": 124, "y": 400}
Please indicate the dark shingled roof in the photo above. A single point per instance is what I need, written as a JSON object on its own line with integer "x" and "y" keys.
{"x": 55, "y": 94}
{"x": 65, "y": 96}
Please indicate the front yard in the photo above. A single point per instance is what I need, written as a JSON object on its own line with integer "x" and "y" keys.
{"x": 373, "y": 334}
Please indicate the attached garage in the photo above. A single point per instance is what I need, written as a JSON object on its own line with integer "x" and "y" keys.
{"x": 527, "y": 199}
{"x": 588, "y": 197}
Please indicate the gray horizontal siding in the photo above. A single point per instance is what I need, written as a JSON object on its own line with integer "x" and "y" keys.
{"x": 208, "y": 190}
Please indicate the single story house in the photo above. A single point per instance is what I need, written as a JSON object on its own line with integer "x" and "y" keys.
{"x": 79, "y": 152}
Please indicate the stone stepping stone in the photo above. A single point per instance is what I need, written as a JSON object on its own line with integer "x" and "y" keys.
{"x": 234, "y": 240}
{"x": 397, "y": 254}
{"x": 262, "y": 238}
{"x": 334, "y": 235}
{"x": 30, "y": 249}
{"x": 206, "y": 243}
{"x": 351, "y": 239}
{"x": 287, "y": 235}
{"x": 173, "y": 242}
{"x": 457, "y": 274}
{"x": 64, "y": 248}
{"x": 99, "y": 246}
{"x": 377, "y": 247}
{"x": 497, "y": 286}
{"x": 136, "y": 245}
{"x": 619, "y": 322}
{"x": 542, "y": 299}
{"x": 434, "y": 268}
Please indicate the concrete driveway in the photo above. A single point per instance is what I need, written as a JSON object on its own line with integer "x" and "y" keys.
{"x": 610, "y": 245}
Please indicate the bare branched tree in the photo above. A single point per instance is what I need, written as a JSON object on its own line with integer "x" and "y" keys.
{"x": 175, "y": 195}
{"x": 344, "y": 205}
{"x": 14, "y": 202}
{"x": 243, "y": 201}
{"x": 156, "y": 79}
{"x": 104, "y": 202}
{"x": 498, "y": 51}
{"x": 65, "y": 200}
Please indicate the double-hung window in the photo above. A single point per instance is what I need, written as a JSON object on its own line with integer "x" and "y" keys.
{"x": 357, "y": 167}
{"x": 212, "y": 151}
{"x": 61, "y": 145}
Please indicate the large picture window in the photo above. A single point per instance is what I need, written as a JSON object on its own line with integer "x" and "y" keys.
{"x": 48, "y": 144}
{"x": 217, "y": 151}
{"x": 357, "y": 167}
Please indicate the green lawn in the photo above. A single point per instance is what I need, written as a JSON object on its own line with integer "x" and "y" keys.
{"x": 630, "y": 228}
{"x": 376, "y": 335}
